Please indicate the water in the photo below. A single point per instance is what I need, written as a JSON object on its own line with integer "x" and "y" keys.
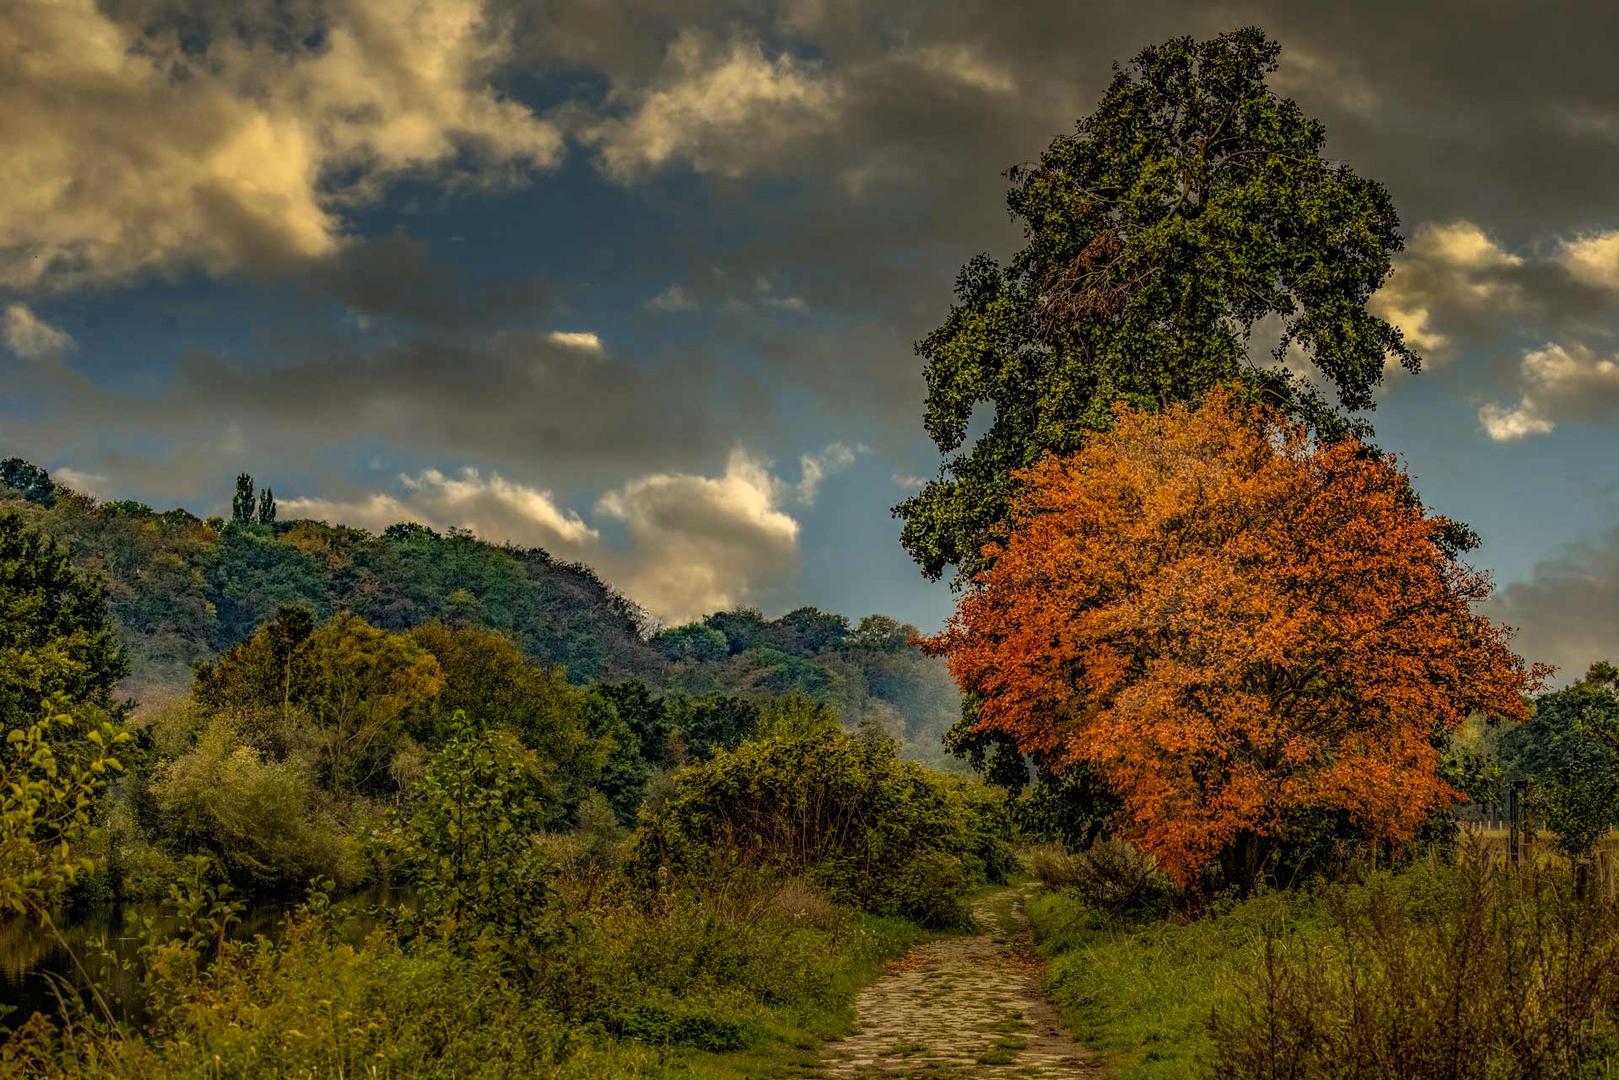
{"x": 104, "y": 943}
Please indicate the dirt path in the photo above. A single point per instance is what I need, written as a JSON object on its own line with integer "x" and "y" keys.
{"x": 962, "y": 1007}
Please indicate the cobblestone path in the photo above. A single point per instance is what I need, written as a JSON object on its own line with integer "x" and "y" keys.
{"x": 962, "y": 1007}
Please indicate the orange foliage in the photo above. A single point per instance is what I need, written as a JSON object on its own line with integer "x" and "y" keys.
{"x": 1231, "y": 623}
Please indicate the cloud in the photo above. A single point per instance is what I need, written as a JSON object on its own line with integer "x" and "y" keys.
{"x": 728, "y": 109}
{"x": 674, "y": 298}
{"x": 31, "y": 337}
{"x": 1559, "y": 382}
{"x": 1448, "y": 271}
{"x": 516, "y": 400}
{"x": 149, "y": 138}
{"x": 817, "y": 467}
{"x": 491, "y": 506}
{"x": 701, "y": 543}
{"x": 1564, "y": 610}
{"x": 578, "y": 340}
{"x": 692, "y": 543}
{"x": 85, "y": 483}
{"x": 1593, "y": 258}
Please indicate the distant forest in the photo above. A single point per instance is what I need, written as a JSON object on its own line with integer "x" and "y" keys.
{"x": 183, "y": 589}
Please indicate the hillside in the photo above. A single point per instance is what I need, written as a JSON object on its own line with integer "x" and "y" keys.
{"x": 183, "y": 589}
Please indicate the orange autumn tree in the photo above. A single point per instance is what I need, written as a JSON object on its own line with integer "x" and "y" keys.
{"x": 1233, "y": 624}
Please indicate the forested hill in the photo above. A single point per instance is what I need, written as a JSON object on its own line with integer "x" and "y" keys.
{"x": 183, "y": 589}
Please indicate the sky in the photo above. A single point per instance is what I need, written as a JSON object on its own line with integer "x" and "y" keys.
{"x": 637, "y": 281}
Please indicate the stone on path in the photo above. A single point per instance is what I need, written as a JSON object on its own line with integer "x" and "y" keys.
{"x": 962, "y": 1007}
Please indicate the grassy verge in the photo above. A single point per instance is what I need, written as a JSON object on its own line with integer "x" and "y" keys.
{"x": 1142, "y": 995}
{"x": 788, "y": 1034}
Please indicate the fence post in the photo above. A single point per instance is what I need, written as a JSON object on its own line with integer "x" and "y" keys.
{"x": 1514, "y": 808}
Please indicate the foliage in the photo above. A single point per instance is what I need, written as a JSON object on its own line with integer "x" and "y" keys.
{"x": 1568, "y": 752}
{"x": 1192, "y": 204}
{"x": 1110, "y": 877}
{"x": 28, "y": 480}
{"x": 742, "y": 981}
{"x": 242, "y": 504}
{"x": 48, "y": 799}
{"x": 265, "y": 823}
{"x": 808, "y": 798}
{"x": 1234, "y": 625}
{"x": 471, "y": 836}
{"x": 54, "y": 634}
{"x": 486, "y": 675}
{"x": 357, "y": 684}
{"x": 1472, "y": 972}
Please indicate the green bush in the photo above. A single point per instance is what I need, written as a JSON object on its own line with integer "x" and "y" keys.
{"x": 264, "y": 822}
{"x": 886, "y": 835}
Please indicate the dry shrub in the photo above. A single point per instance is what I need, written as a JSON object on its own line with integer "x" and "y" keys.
{"x": 1456, "y": 972}
{"x": 1111, "y": 877}
{"x": 804, "y": 902}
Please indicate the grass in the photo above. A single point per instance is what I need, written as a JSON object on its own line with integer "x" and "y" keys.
{"x": 1141, "y": 996}
{"x": 790, "y": 1038}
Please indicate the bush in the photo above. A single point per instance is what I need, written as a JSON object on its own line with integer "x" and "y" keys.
{"x": 264, "y": 822}
{"x": 1469, "y": 972}
{"x": 886, "y": 835}
{"x": 1110, "y": 876}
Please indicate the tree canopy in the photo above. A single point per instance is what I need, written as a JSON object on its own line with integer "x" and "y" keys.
{"x": 1192, "y": 209}
{"x": 1234, "y": 625}
{"x": 55, "y": 637}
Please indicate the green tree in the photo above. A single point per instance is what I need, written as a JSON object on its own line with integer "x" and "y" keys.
{"x": 1570, "y": 751}
{"x": 1192, "y": 204}
{"x": 266, "y": 507}
{"x": 471, "y": 832}
{"x": 241, "y": 505}
{"x": 487, "y": 676}
{"x": 28, "y": 480}
{"x": 55, "y": 636}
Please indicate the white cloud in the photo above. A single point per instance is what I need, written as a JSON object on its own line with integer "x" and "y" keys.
{"x": 726, "y": 110}
{"x": 1592, "y": 258}
{"x": 963, "y": 64}
{"x": 693, "y": 543}
{"x": 701, "y": 543}
{"x": 1446, "y": 268}
{"x": 134, "y": 146}
{"x": 85, "y": 483}
{"x": 909, "y": 482}
{"x": 674, "y": 298}
{"x": 581, "y": 340}
{"x": 1558, "y": 382}
{"x": 491, "y": 506}
{"x": 817, "y": 467}
{"x": 31, "y": 337}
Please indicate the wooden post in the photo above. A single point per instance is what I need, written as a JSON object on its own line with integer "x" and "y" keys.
{"x": 1513, "y": 807}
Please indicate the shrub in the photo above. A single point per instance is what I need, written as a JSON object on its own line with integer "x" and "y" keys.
{"x": 1110, "y": 877}
{"x": 887, "y": 835}
{"x": 1469, "y": 972}
{"x": 264, "y": 822}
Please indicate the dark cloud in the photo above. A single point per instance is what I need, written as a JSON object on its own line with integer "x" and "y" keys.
{"x": 394, "y": 277}
{"x": 1567, "y": 611}
{"x": 568, "y": 416}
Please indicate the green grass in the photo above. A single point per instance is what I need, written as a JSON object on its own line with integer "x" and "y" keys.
{"x": 788, "y": 1038}
{"x": 1141, "y": 996}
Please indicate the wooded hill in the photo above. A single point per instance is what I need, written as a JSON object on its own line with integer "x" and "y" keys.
{"x": 183, "y": 589}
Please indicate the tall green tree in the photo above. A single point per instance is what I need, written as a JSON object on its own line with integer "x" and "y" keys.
{"x": 242, "y": 504}
{"x": 55, "y": 636}
{"x": 266, "y": 507}
{"x": 1191, "y": 209}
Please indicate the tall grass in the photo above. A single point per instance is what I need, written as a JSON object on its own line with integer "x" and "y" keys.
{"x": 1458, "y": 969}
